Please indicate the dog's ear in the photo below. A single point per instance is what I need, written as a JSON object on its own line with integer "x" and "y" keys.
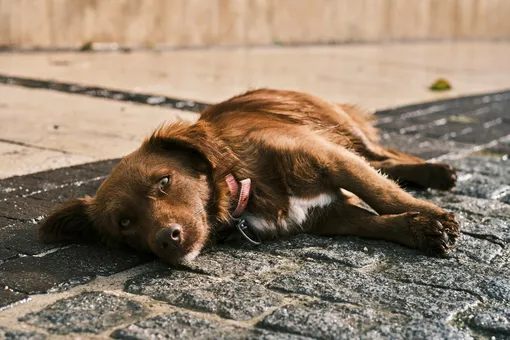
{"x": 70, "y": 222}
{"x": 198, "y": 139}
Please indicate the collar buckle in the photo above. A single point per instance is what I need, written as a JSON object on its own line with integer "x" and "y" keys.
{"x": 243, "y": 227}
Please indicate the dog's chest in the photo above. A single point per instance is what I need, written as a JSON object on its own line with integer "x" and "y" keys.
{"x": 299, "y": 211}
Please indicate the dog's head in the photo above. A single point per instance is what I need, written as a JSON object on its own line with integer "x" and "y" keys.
{"x": 157, "y": 199}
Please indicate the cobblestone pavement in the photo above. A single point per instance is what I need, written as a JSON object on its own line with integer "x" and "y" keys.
{"x": 299, "y": 288}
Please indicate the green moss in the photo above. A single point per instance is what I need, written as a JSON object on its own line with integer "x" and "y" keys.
{"x": 440, "y": 85}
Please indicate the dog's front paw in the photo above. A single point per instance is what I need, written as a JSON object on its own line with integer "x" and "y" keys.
{"x": 442, "y": 176}
{"x": 434, "y": 235}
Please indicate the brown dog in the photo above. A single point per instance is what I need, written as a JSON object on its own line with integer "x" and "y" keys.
{"x": 311, "y": 164}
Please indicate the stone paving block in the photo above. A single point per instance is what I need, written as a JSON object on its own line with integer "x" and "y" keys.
{"x": 22, "y": 238}
{"x": 325, "y": 320}
{"x": 6, "y": 223}
{"x": 6, "y": 253}
{"x": 467, "y": 204}
{"x": 179, "y": 325}
{"x": 418, "y": 329}
{"x": 67, "y": 267}
{"x": 476, "y": 249}
{"x": 502, "y": 149}
{"x": 424, "y": 147}
{"x": 493, "y": 228}
{"x": 16, "y": 335}
{"x": 228, "y": 299}
{"x": 493, "y": 320}
{"x": 176, "y": 325}
{"x": 231, "y": 300}
{"x": 342, "y": 284}
{"x": 78, "y": 189}
{"x": 19, "y": 185}
{"x": 350, "y": 251}
{"x": 25, "y": 208}
{"x": 54, "y": 179}
{"x": 8, "y": 297}
{"x": 90, "y": 312}
{"x": 168, "y": 284}
{"x": 486, "y": 165}
{"x": 232, "y": 262}
{"x": 345, "y": 250}
{"x": 483, "y": 177}
{"x": 480, "y": 186}
{"x": 423, "y": 120}
{"x": 481, "y": 134}
{"x": 478, "y": 279}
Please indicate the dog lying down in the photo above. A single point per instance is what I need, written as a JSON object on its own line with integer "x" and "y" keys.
{"x": 266, "y": 164}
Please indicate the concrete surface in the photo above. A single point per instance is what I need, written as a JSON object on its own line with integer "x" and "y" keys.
{"x": 376, "y": 76}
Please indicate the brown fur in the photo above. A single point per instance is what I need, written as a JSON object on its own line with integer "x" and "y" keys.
{"x": 297, "y": 149}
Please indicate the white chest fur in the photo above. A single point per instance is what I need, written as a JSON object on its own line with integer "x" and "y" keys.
{"x": 299, "y": 209}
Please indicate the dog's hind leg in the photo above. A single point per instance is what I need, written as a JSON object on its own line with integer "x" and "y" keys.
{"x": 397, "y": 165}
{"x": 341, "y": 168}
{"x": 411, "y": 229}
{"x": 413, "y": 170}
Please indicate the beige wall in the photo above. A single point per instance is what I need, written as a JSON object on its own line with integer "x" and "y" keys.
{"x": 72, "y": 23}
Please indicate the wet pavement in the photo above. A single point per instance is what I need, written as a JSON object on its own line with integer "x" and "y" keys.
{"x": 298, "y": 288}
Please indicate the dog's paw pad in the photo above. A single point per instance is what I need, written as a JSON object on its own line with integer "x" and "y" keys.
{"x": 435, "y": 235}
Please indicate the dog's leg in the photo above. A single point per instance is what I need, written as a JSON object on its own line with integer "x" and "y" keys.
{"x": 403, "y": 167}
{"x": 410, "y": 229}
{"x": 344, "y": 169}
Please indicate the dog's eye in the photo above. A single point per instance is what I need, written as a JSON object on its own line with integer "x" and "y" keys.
{"x": 163, "y": 182}
{"x": 124, "y": 223}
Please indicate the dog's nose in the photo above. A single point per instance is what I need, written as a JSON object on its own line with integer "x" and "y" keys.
{"x": 169, "y": 235}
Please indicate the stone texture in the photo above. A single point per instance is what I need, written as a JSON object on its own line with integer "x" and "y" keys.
{"x": 488, "y": 320}
{"x": 424, "y": 147}
{"x": 231, "y": 300}
{"x": 6, "y": 253}
{"x": 479, "y": 280}
{"x": 342, "y": 284}
{"x": 232, "y": 262}
{"x": 54, "y": 179}
{"x": 419, "y": 329}
{"x": 494, "y": 167}
{"x": 471, "y": 248}
{"x": 491, "y": 228}
{"x": 483, "y": 187}
{"x": 25, "y": 208}
{"x": 9, "y": 297}
{"x": 466, "y": 204}
{"x": 76, "y": 189}
{"x": 343, "y": 250}
{"x": 91, "y": 312}
{"x": 228, "y": 299}
{"x": 16, "y": 335}
{"x": 21, "y": 237}
{"x": 325, "y": 320}
{"x": 179, "y": 325}
{"x": 65, "y": 267}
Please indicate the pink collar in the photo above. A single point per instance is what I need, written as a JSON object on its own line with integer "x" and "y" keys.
{"x": 241, "y": 196}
